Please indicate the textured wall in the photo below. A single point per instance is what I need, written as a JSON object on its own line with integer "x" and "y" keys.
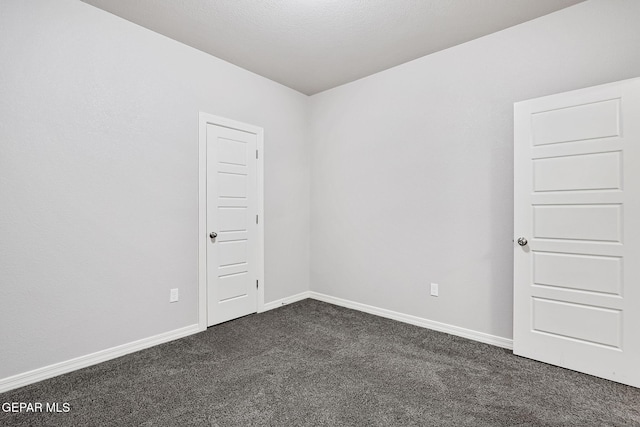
{"x": 412, "y": 168}
{"x": 99, "y": 179}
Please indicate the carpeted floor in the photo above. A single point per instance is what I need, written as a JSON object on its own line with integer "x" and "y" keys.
{"x": 312, "y": 363}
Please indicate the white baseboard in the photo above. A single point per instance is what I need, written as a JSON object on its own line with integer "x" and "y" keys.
{"x": 418, "y": 321}
{"x": 67, "y": 366}
{"x": 284, "y": 301}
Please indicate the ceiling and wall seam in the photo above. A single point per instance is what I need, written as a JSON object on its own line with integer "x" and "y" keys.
{"x": 313, "y": 46}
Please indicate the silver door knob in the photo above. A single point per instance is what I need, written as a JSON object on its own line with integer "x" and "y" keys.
{"x": 522, "y": 241}
{"x": 213, "y": 234}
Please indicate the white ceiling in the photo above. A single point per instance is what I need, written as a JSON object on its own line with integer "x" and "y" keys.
{"x": 314, "y": 45}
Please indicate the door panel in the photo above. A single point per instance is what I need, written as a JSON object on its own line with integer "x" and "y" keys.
{"x": 600, "y": 171}
{"x": 232, "y": 152}
{"x": 577, "y": 321}
{"x": 580, "y": 272}
{"x": 232, "y": 256}
{"x": 577, "y": 202}
{"x": 232, "y": 185}
{"x": 578, "y": 122}
{"x": 591, "y": 222}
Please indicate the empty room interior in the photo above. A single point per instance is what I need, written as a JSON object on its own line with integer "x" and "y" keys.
{"x": 320, "y": 212}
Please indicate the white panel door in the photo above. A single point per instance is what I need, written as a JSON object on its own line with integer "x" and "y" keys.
{"x": 577, "y": 210}
{"x": 232, "y": 249}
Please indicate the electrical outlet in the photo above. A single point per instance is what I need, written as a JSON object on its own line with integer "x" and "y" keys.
{"x": 173, "y": 295}
{"x": 434, "y": 289}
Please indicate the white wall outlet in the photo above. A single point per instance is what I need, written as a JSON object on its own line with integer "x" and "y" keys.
{"x": 434, "y": 289}
{"x": 173, "y": 295}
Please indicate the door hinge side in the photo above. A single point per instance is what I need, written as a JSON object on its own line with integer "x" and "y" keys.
{"x": 256, "y": 284}
{"x": 256, "y": 154}
{"x": 256, "y": 219}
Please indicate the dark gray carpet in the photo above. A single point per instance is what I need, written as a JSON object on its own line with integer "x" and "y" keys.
{"x": 312, "y": 363}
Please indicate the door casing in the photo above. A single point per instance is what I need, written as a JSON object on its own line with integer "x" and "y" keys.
{"x": 203, "y": 121}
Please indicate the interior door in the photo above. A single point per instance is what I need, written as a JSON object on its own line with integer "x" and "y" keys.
{"x": 232, "y": 250}
{"x": 577, "y": 230}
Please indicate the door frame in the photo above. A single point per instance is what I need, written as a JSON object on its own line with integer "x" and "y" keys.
{"x": 205, "y": 119}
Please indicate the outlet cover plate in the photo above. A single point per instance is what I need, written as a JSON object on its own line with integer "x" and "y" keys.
{"x": 434, "y": 289}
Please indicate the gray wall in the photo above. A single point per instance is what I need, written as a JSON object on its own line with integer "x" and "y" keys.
{"x": 412, "y": 168}
{"x": 411, "y": 173}
{"x": 99, "y": 179}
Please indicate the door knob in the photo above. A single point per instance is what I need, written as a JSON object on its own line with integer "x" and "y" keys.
{"x": 213, "y": 235}
{"x": 522, "y": 241}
